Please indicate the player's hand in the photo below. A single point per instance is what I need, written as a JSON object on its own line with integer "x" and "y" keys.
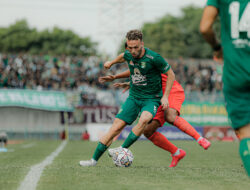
{"x": 108, "y": 78}
{"x": 107, "y": 65}
{"x": 218, "y": 56}
{"x": 164, "y": 102}
{"x": 124, "y": 85}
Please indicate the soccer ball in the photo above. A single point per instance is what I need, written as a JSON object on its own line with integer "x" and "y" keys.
{"x": 123, "y": 158}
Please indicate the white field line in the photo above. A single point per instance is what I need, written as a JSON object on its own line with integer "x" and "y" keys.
{"x": 32, "y": 178}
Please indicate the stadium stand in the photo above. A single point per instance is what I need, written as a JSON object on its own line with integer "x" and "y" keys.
{"x": 42, "y": 72}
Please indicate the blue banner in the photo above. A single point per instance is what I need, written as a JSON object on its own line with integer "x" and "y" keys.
{"x": 171, "y": 132}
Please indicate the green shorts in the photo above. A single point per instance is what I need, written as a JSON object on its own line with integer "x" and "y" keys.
{"x": 238, "y": 106}
{"x": 132, "y": 107}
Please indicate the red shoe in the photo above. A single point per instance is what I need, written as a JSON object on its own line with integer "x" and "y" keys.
{"x": 204, "y": 143}
{"x": 176, "y": 159}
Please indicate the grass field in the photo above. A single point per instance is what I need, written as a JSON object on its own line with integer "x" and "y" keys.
{"x": 217, "y": 168}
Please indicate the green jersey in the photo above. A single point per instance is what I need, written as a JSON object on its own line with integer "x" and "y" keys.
{"x": 235, "y": 37}
{"x": 145, "y": 74}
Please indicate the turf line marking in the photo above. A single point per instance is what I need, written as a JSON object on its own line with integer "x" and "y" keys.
{"x": 32, "y": 178}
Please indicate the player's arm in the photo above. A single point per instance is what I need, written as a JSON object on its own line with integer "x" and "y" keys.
{"x": 206, "y": 28}
{"x": 165, "y": 68}
{"x": 118, "y": 59}
{"x": 111, "y": 78}
{"x": 124, "y": 85}
{"x": 124, "y": 74}
{"x": 170, "y": 82}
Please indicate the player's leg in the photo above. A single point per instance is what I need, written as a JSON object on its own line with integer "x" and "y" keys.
{"x": 239, "y": 112}
{"x": 126, "y": 115}
{"x": 172, "y": 116}
{"x": 137, "y": 130}
{"x": 148, "y": 111}
{"x": 244, "y": 135}
{"x": 134, "y": 134}
{"x": 107, "y": 139}
{"x": 105, "y": 142}
{"x": 162, "y": 142}
{"x": 157, "y": 138}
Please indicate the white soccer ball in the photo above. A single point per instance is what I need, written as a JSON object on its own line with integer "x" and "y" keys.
{"x": 123, "y": 158}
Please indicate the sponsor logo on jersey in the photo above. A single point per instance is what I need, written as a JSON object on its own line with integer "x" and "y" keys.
{"x": 138, "y": 79}
{"x": 155, "y": 109}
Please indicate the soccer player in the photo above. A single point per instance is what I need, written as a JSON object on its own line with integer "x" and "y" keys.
{"x": 145, "y": 95}
{"x": 170, "y": 115}
{"x": 235, "y": 38}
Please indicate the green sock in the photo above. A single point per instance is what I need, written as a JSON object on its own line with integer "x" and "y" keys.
{"x": 100, "y": 149}
{"x": 245, "y": 153}
{"x": 130, "y": 140}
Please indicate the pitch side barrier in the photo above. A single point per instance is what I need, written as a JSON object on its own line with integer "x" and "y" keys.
{"x": 32, "y": 114}
{"x": 209, "y": 119}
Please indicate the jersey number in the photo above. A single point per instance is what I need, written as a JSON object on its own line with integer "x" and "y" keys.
{"x": 242, "y": 25}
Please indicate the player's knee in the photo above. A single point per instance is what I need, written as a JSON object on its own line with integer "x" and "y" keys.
{"x": 170, "y": 115}
{"x": 143, "y": 121}
{"x": 151, "y": 128}
{"x": 170, "y": 118}
{"x": 117, "y": 126}
{"x": 148, "y": 132}
{"x": 243, "y": 132}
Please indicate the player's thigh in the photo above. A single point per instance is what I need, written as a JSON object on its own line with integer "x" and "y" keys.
{"x": 237, "y": 105}
{"x": 159, "y": 116}
{"x": 176, "y": 100}
{"x": 145, "y": 117}
{"x": 150, "y": 106}
{"x": 129, "y": 111}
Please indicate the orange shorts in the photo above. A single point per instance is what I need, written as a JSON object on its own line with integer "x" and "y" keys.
{"x": 175, "y": 100}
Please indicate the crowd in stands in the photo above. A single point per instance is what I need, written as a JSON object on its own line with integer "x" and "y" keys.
{"x": 198, "y": 75}
{"x": 43, "y": 72}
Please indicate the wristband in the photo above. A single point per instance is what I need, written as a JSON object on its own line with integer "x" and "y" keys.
{"x": 217, "y": 47}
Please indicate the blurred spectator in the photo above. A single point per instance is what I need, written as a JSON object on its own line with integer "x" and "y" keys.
{"x": 85, "y": 135}
{"x": 43, "y": 72}
{"x": 3, "y": 139}
{"x": 63, "y": 135}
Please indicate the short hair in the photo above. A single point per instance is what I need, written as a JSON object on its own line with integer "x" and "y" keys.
{"x": 134, "y": 35}
{"x": 125, "y": 45}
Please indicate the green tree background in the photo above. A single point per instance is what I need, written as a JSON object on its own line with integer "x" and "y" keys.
{"x": 19, "y": 37}
{"x": 171, "y": 36}
{"x": 178, "y": 36}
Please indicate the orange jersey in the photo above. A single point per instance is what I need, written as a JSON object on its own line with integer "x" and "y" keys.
{"x": 175, "y": 88}
{"x": 175, "y": 99}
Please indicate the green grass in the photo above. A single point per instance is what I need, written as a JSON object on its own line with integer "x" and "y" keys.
{"x": 15, "y": 164}
{"x": 217, "y": 168}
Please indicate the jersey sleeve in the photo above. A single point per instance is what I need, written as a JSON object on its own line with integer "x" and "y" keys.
{"x": 127, "y": 55}
{"x": 161, "y": 64}
{"x": 214, "y": 3}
